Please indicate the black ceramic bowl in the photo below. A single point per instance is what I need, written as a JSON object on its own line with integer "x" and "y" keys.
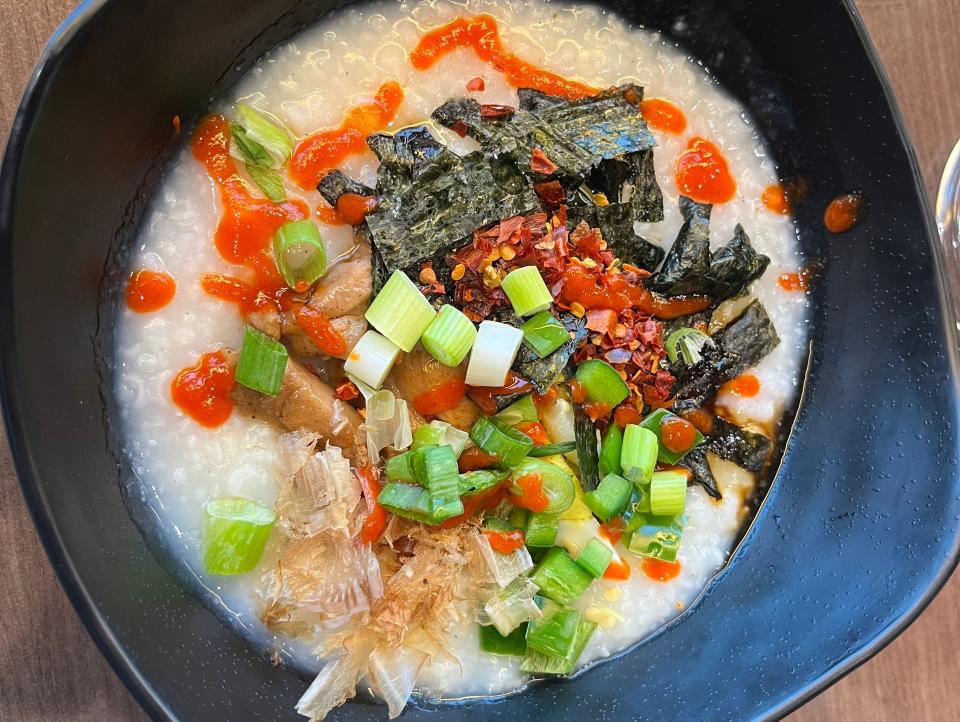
{"x": 856, "y": 535}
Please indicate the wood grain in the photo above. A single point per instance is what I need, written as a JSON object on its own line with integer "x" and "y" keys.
{"x": 49, "y": 667}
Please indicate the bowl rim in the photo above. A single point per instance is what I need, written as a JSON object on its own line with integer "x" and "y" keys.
{"x": 43, "y": 519}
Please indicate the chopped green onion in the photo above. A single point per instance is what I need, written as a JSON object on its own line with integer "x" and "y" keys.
{"x": 493, "y": 353}
{"x": 687, "y": 343}
{"x": 544, "y": 334}
{"x": 400, "y": 467}
{"x": 262, "y": 362}
{"x": 537, "y": 663}
{"x": 588, "y": 458}
{"x": 610, "y": 497}
{"x": 518, "y": 517}
{"x": 512, "y": 645}
{"x": 610, "y": 450}
{"x": 526, "y": 290}
{"x": 439, "y": 433}
{"x": 634, "y": 516}
{"x": 512, "y": 606}
{"x": 521, "y": 411}
{"x": 655, "y": 422}
{"x": 638, "y": 456}
{"x": 473, "y": 482}
{"x": 541, "y": 529}
{"x": 602, "y": 383}
{"x": 248, "y": 150}
{"x": 560, "y": 578}
{"x": 269, "y": 181}
{"x": 555, "y": 483}
{"x": 435, "y": 468}
{"x": 413, "y": 502}
{"x": 371, "y": 359}
{"x": 264, "y": 131}
{"x": 554, "y": 632}
{"x": 668, "y": 492}
{"x": 300, "y": 254}
{"x": 495, "y": 523}
{"x": 657, "y": 537}
{"x": 595, "y": 557}
{"x": 564, "y": 447}
{"x": 400, "y": 312}
{"x": 235, "y": 531}
{"x": 449, "y": 336}
{"x": 496, "y": 438}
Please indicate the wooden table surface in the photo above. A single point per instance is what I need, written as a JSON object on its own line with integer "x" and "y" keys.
{"x": 49, "y": 667}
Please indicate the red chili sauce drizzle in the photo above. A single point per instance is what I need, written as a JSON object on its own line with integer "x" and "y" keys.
{"x": 677, "y": 434}
{"x": 202, "y": 391}
{"x": 659, "y": 570}
{"x": 745, "y": 386}
{"x": 663, "y": 115}
{"x": 149, "y": 291}
{"x": 703, "y": 173}
{"x": 323, "y": 151}
{"x": 483, "y": 35}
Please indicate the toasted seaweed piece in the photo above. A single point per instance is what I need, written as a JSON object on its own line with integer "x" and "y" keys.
{"x": 744, "y": 448}
{"x": 734, "y": 266}
{"x": 534, "y": 100}
{"x": 616, "y": 227}
{"x": 685, "y": 268}
{"x": 588, "y": 458}
{"x": 439, "y": 209}
{"x": 407, "y": 150}
{"x": 737, "y": 347}
{"x": 544, "y": 372}
{"x": 701, "y": 474}
{"x": 631, "y": 179}
{"x": 335, "y": 184}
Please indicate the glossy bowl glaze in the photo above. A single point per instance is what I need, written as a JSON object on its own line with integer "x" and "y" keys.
{"x": 854, "y": 538}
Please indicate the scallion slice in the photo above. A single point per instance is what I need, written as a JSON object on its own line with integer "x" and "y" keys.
{"x": 245, "y": 148}
{"x": 560, "y": 578}
{"x": 668, "y": 492}
{"x": 496, "y": 438}
{"x": 686, "y": 343}
{"x": 301, "y": 256}
{"x": 235, "y": 531}
{"x": 371, "y": 359}
{"x": 537, "y": 663}
{"x": 544, "y": 333}
{"x": 435, "y": 468}
{"x": 439, "y": 433}
{"x": 554, "y": 632}
{"x": 657, "y": 537}
{"x": 638, "y": 454}
{"x": 602, "y": 383}
{"x": 595, "y": 557}
{"x": 400, "y": 312}
{"x": 266, "y": 132}
{"x": 556, "y": 484}
{"x": 262, "y": 362}
{"x": 269, "y": 181}
{"x": 473, "y": 482}
{"x": 512, "y": 645}
{"x": 541, "y": 529}
{"x": 611, "y": 447}
{"x": 450, "y": 336}
{"x": 400, "y": 467}
{"x": 526, "y": 290}
{"x": 413, "y": 502}
{"x": 610, "y": 497}
{"x": 513, "y": 605}
{"x": 521, "y": 411}
{"x": 493, "y": 353}
{"x": 564, "y": 447}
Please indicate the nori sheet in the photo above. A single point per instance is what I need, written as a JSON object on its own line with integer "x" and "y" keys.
{"x": 402, "y": 155}
{"x": 439, "y": 209}
{"x": 631, "y": 179}
{"x": 737, "y": 347}
{"x": 616, "y": 227}
{"x": 335, "y": 184}
{"x": 701, "y": 474}
{"x": 744, "y": 448}
{"x": 690, "y": 269}
{"x": 542, "y": 373}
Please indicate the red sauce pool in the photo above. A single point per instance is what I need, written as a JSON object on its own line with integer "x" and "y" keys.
{"x": 677, "y": 434}
{"x": 775, "y": 199}
{"x": 483, "y": 35}
{"x": 531, "y": 494}
{"x": 844, "y": 212}
{"x": 443, "y": 397}
{"x": 703, "y": 173}
{"x": 149, "y": 291}
{"x": 663, "y": 115}
{"x": 745, "y": 386}
{"x": 202, "y": 391}
{"x": 318, "y": 153}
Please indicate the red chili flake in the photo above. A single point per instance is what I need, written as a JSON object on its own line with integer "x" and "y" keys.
{"x": 176, "y": 124}
{"x": 551, "y": 193}
{"x": 460, "y": 128}
{"x": 602, "y": 320}
{"x": 476, "y": 85}
{"x": 347, "y": 390}
{"x": 492, "y": 112}
{"x": 539, "y": 163}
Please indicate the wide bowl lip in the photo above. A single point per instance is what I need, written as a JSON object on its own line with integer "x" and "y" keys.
{"x": 73, "y": 585}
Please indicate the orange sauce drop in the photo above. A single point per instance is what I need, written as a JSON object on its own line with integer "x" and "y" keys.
{"x": 663, "y": 115}
{"x": 475, "y": 458}
{"x": 531, "y": 494}
{"x": 483, "y": 35}
{"x": 677, "y": 434}
{"x": 318, "y": 153}
{"x": 442, "y": 397}
{"x": 844, "y": 212}
{"x": 793, "y": 281}
{"x": 703, "y": 173}
{"x": 775, "y": 199}
{"x": 202, "y": 391}
{"x": 150, "y": 290}
{"x": 659, "y": 570}
{"x": 504, "y": 542}
{"x": 321, "y": 332}
{"x": 745, "y": 386}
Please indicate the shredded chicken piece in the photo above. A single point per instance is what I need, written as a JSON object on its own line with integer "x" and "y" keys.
{"x": 346, "y": 289}
{"x": 418, "y": 372}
